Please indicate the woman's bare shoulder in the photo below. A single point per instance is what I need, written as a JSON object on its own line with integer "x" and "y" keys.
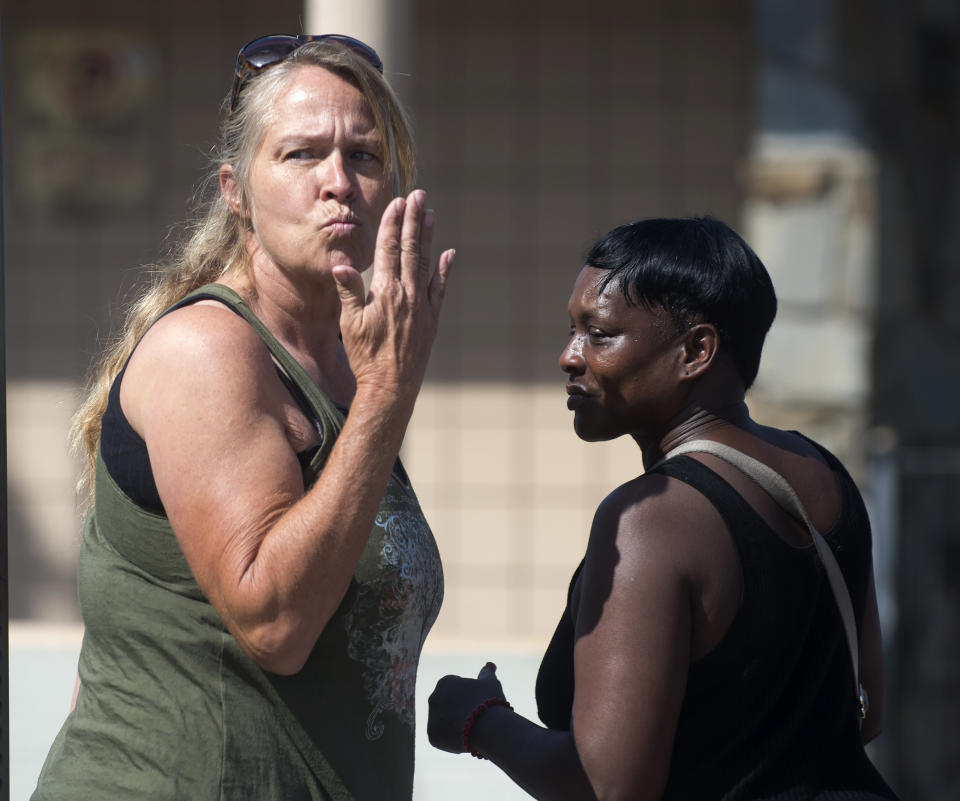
{"x": 201, "y": 354}
{"x": 659, "y": 524}
{"x": 651, "y": 506}
{"x": 203, "y": 329}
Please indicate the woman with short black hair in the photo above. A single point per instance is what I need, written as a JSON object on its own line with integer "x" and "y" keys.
{"x": 713, "y": 642}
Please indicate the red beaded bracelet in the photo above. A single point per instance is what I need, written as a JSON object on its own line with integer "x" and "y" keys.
{"x": 474, "y": 716}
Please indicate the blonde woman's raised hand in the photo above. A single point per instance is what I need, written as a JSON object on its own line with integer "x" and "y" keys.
{"x": 389, "y": 330}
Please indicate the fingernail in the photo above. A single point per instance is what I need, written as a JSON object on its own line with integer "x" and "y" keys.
{"x": 490, "y": 666}
{"x": 429, "y": 218}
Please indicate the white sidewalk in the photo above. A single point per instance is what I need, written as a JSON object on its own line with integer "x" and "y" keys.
{"x": 43, "y": 664}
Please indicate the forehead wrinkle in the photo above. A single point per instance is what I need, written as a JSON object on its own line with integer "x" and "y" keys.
{"x": 311, "y": 136}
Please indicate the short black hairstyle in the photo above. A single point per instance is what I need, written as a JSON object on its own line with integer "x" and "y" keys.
{"x": 699, "y": 270}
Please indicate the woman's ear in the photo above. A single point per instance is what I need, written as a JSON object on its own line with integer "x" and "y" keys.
{"x": 231, "y": 191}
{"x": 700, "y": 346}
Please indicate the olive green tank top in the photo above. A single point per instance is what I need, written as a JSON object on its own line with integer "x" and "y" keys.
{"x": 170, "y": 707}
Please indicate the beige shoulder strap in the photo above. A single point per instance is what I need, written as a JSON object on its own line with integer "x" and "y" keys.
{"x": 777, "y": 487}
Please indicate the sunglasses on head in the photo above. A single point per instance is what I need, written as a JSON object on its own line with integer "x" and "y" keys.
{"x": 265, "y": 51}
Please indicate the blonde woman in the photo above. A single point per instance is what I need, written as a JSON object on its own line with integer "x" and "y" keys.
{"x": 257, "y": 578}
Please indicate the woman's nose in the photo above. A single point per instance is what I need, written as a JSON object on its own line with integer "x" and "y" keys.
{"x": 571, "y": 358}
{"x": 336, "y": 182}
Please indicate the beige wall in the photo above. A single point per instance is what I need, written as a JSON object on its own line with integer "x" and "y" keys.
{"x": 541, "y": 125}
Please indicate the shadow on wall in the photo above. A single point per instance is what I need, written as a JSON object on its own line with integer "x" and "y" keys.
{"x": 40, "y": 588}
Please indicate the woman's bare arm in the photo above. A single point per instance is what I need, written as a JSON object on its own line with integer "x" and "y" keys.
{"x": 871, "y": 664}
{"x": 273, "y": 561}
{"x": 633, "y": 630}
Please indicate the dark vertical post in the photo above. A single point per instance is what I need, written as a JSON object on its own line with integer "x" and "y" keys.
{"x": 4, "y": 599}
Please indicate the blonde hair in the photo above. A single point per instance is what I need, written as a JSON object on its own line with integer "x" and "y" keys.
{"x": 213, "y": 247}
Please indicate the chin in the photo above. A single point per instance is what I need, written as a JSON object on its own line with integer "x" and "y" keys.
{"x": 588, "y": 433}
{"x": 349, "y": 257}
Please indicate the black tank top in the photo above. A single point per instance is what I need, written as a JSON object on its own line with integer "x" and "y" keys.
{"x": 770, "y": 711}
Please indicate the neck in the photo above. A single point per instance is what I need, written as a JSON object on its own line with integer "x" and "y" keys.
{"x": 303, "y": 313}
{"x": 698, "y": 423}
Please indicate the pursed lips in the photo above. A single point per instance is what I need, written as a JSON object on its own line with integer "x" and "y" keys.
{"x": 341, "y": 223}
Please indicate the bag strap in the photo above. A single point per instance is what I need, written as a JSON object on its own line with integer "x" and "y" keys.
{"x": 777, "y": 487}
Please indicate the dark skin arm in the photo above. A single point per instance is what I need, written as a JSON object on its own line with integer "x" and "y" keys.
{"x": 633, "y": 627}
{"x": 871, "y": 664}
{"x": 544, "y": 762}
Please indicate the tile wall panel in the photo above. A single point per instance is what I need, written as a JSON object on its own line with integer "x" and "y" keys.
{"x": 543, "y": 125}
{"x": 540, "y": 126}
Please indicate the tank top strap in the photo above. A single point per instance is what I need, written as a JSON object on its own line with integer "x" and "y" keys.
{"x": 328, "y": 413}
